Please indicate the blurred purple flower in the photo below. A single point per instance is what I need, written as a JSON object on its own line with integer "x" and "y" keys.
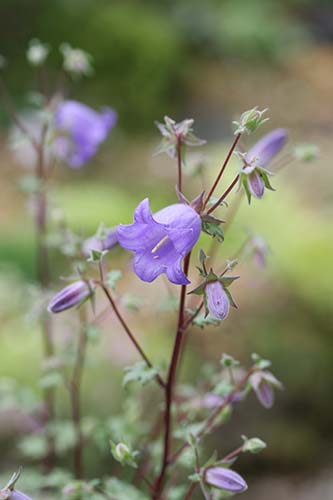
{"x": 97, "y": 243}
{"x": 263, "y": 384}
{"x": 267, "y": 147}
{"x": 254, "y": 175}
{"x": 217, "y": 300}
{"x": 225, "y": 479}
{"x": 81, "y": 131}
{"x": 160, "y": 242}
{"x": 9, "y": 494}
{"x": 70, "y": 296}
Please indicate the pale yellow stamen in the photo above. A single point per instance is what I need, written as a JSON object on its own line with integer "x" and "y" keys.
{"x": 159, "y": 244}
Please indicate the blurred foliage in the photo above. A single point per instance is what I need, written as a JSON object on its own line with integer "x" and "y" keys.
{"x": 145, "y": 51}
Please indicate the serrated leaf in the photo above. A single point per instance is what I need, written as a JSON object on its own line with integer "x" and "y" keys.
{"x": 214, "y": 230}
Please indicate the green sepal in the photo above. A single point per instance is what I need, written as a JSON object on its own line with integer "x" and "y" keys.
{"x": 246, "y": 187}
{"x": 227, "y": 280}
{"x": 231, "y": 300}
{"x": 265, "y": 178}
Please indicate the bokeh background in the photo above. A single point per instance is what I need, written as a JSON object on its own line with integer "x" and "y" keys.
{"x": 209, "y": 61}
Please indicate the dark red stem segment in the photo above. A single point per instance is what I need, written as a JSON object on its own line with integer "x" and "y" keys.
{"x": 224, "y": 195}
{"x": 226, "y": 161}
{"x": 169, "y": 389}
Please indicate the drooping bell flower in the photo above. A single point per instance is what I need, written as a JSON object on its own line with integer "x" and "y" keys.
{"x": 217, "y": 300}
{"x": 225, "y": 479}
{"x": 80, "y": 131}
{"x": 254, "y": 175}
{"x": 161, "y": 241}
{"x": 263, "y": 384}
{"x": 101, "y": 243}
{"x": 217, "y": 296}
{"x": 71, "y": 296}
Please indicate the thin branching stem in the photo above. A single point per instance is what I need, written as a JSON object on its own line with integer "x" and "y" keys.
{"x": 225, "y": 163}
{"x": 127, "y": 329}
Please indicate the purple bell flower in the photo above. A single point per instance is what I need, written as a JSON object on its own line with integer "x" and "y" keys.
{"x": 71, "y": 296}
{"x": 254, "y": 175}
{"x": 100, "y": 244}
{"x": 217, "y": 300}
{"x": 225, "y": 479}
{"x": 267, "y": 147}
{"x": 81, "y": 131}
{"x": 263, "y": 384}
{"x": 160, "y": 242}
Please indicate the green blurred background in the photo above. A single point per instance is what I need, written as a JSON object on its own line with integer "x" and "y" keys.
{"x": 210, "y": 61}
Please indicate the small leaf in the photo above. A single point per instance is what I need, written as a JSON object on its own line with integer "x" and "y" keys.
{"x": 112, "y": 278}
{"x": 139, "y": 372}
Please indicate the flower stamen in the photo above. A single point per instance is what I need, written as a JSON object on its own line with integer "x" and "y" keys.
{"x": 159, "y": 244}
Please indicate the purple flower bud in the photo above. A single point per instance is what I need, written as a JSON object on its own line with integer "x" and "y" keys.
{"x": 100, "y": 244}
{"x": 263, "y": 384}
{"x": 225, "y": 479}
{"x": 160, "y": 242}
{"x": 256, "y": 184}
{"x": 217, "y": 300}
{"x": 70, "y": 296}
{"x": 267, "y": 147}
{"x": 81, "y": 131}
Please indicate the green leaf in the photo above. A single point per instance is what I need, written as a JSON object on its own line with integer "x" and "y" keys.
{"x": 51, "y": 379}
{"x": 214, "y": 230}
{"x": 139, "y": 372}
{"x": 201, "y": 321}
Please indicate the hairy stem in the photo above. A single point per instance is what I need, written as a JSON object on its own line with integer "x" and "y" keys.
{"x": 42, "y": 261}
{"x": 75, "y": 395}
{"x": 169, "y": 389}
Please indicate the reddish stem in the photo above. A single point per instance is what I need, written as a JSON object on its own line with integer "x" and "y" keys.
{"x": 224, "y": 195}
{"x": 169, "y": 389}
{"x": 226, "y": 161}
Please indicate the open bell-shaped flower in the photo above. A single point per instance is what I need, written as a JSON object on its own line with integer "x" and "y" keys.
{"x": 71, "y": 296}
{"x": 161, "y": 241}
{"x": 254, "y": 175}
{"x": 80, "y": 131}
{"x": 225, "y": 479}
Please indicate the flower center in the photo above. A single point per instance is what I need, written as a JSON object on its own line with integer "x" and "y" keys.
{"x": 158, "y": 245}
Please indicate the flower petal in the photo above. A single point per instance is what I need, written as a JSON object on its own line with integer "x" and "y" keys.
{"x": 267, "y": 147}
{"x": 225, "y": 479}
{"x": 217, "y": 300}
{"x": 256, "y": 184}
